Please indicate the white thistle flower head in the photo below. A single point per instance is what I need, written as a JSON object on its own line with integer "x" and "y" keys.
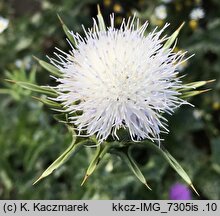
{"x": 161, "y": 12}
{"x": 197, "y": 13}
{"x": 3, "y": 24}
{"x": 119, "y": 78}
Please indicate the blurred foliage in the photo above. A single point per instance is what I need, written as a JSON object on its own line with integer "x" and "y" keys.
{"x": 30, "y": 139}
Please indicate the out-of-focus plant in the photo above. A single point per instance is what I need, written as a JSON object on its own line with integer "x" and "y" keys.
{"x": 21, "y": 76}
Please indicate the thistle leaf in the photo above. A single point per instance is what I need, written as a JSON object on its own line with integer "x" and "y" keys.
{"x": 100, "y": 153}
{"x": 127, "y": 158}
{"x": 62, "y": 117}
{"x": 173, "y": 163}
{"x": 49, "y": 67}
{"x": 66, "y": 31}
{"x": 35, "y": 88}
{"x": 92, "y": 165}
{"x": 193, "y": 93}
{"x": 48, "y": 102}
{"x": 72, "y": 149}
{"x": 101, "y": 21}
{"x": 195, "y": 85}
{"x": 173, "y": 37}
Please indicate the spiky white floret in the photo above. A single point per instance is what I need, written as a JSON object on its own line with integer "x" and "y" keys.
{"x": 119, "y": 78}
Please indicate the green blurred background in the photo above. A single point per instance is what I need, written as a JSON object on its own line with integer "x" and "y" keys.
{"x": 30, "y": 138}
